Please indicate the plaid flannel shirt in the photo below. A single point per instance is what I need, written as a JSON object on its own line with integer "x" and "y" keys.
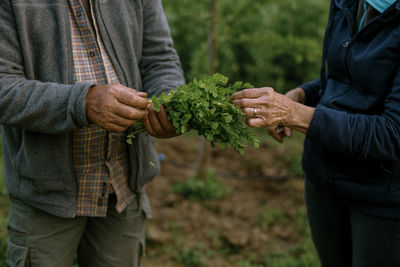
{"x": 100, "y": 158}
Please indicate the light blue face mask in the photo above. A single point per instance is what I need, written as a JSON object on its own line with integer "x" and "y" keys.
{"x": 381, "y": 5}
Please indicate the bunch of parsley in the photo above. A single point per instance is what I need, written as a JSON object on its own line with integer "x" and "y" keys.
{"x": 205, "y": 106}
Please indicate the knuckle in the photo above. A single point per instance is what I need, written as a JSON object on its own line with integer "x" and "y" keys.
{"x": 268, "y": 90}
{"x": 131, "y": 114}
{"x": 131, "y": 99}
{"x": 111, "y": 89}
{"x": 246, "y": 93}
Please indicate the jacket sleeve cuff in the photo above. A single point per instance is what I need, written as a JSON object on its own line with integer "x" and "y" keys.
{"x": 313, "y": 129}
{"x": 81, "y": 90}
{"x": 332, "y": 129}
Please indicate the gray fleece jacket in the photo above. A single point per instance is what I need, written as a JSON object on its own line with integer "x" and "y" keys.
{"x": 40, "y": 108}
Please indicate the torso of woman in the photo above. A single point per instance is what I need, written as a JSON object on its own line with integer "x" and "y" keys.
{"x": 354, "y": 146}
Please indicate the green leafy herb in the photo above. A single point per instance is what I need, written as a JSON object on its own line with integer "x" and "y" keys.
{"x": 206, "y": 107}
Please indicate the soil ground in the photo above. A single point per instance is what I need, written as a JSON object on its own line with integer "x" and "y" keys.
{"x": 262, "y": 218}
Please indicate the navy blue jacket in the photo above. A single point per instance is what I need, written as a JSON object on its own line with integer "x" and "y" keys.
{"x": 352, "y": 147}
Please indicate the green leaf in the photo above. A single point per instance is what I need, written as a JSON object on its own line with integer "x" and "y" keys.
{"x": 227, "y": 118}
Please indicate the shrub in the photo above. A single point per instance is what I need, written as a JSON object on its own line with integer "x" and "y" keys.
{"x": 201, "y": 189}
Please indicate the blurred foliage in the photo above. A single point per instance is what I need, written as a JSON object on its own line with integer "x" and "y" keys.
{"x": 265, "y": 42}
{"x": 303, "y": 253}
{"x": 191, "y": 257}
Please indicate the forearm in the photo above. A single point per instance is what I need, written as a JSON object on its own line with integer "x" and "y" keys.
{"x": 42, "y": 107}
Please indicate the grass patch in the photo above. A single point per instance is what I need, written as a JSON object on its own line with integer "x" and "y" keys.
{"x": 197, "y": 189}
{"x": 303, "y": 253}
{"x": 191, "y": 257}
{"x": 271, "y": 216}
{"x": 305, "y": 259}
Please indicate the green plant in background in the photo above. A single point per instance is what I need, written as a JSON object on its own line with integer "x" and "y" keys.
{"x": 268, "y": 42}
{"x": 271, "y": 216}
{"x": 303, "y": 253}
{"x": 191, "y": 257}
{"x": 202, "y": 189}
{"x": 286, "y": 260}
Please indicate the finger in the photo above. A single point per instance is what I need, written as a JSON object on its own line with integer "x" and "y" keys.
{"x": 129, "y": 112}
{"x": 130, "y": 97}
{"x": 155, "y": 122}
{"x": 277, "y": 136}
{"x": 250, "y": 93}
{"x": 255, "y": 122}
{"x": 120, "y": 121}
{"x": 248, "y": 102}
{"x": 148, "y": 127}
{"x": 142, "y": 94}
{"x": 165, "y": 122}
{"x": 287, "y": 131}
{"x": 249, "y": 112}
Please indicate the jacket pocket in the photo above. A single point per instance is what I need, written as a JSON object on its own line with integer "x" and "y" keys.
{"x": 148, "y": 165}
{"x": 43, "y": 162}
{"x": 17, "y": 254}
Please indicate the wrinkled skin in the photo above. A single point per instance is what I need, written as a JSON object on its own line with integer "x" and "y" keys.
{"x": 279, "y": 113}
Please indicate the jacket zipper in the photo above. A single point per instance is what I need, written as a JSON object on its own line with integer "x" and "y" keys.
{"x": 71, "y": 135}
{"x": 117, "y": 56}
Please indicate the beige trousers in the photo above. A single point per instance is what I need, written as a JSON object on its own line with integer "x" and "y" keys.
{"x": 38, "y": 239}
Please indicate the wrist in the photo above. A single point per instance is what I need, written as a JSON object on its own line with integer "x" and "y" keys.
{"x": 301, "y": 117}
{"x": 297, "y": 95}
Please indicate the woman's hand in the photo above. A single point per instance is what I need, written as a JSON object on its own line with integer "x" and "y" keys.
{"x": 280, "y": 132}
{"x": 266, "y": 108}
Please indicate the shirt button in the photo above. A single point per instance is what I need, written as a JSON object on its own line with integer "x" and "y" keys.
{"x": 100, "y": 202}
{"x": 92, "y": 54}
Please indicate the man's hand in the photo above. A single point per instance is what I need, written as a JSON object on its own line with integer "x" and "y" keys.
{"x": 157, "y": 123}
{"x": 115, "y": 107}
